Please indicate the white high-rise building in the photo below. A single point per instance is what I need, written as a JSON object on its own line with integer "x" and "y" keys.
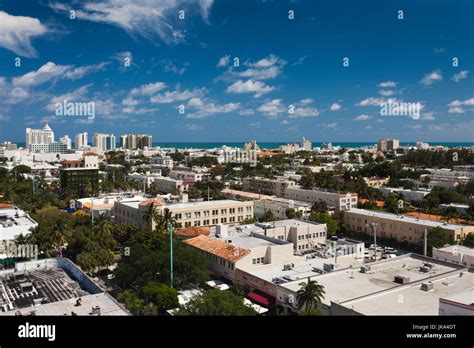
{"x": 42, "y": 136}
{"x": 306, "y": 144}
{"x": 66, "y": 140}
{"x": 105, "y": 142}
{"x": 81, "y": 140}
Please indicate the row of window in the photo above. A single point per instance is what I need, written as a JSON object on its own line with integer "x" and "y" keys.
{"x": 258, "y": 261}
{"x": 308, "y": 236}
{"x": 220, "y": 261}
{"x": 207, "y": 213}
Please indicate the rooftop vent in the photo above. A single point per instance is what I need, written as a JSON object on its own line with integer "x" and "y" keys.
{"x": 427, "y": 286}
{"x": 401, "y": 279}
{"x": 364, "y": 269}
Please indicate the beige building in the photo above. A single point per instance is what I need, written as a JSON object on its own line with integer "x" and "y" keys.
{"x": 400, "y": 227}
{"x": 187, "y": 214}
{"x": 267, "y": 186}
{"x": 376, "y": 182}
{"x": 340, "y": 201}
{"x": 279, "y": 206}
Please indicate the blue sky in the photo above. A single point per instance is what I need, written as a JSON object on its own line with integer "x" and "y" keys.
{"x": 283, "y": 64}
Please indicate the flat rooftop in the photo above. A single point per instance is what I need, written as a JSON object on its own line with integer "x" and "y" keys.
{"x": 404, "y": 218}
{"x": 302, "y": 268}
{"x": 48, "y": 287}
{"x": 459, "y": 249}
{"x": 411, "y": 300}
{"x": 349, "y": 284}
{"x": 204, "y": 204}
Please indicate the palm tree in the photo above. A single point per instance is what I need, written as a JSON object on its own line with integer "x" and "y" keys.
{"x": 164, "y": 220}
{"x": 309, "y": 295}
{"x": 104, "y": 229}
{"x": 150, "y": 215}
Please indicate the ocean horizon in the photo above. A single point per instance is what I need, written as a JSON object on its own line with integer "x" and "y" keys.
{"x": 274, "y": 145}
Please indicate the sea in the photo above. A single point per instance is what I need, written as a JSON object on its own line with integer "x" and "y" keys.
{"x": 275, "y": 145}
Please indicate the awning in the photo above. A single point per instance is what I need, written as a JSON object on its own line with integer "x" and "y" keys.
{"x": 260, "y": 299}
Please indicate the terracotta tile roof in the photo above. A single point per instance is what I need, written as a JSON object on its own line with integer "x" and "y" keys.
{"x": 433, "y": 217}
{"x": 5, "y": 206}
{"x": 268, "y": 153}
{"x": 379, "y": 204}
{"x": 193, "y": 231}
{"x": 219, "y": 248}
{"x": 153, "y": 201}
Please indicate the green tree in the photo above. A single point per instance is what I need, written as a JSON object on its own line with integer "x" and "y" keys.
{"x": 133, "y": 303}
{"x": 469, "y": 240}
{"x": 216, "y": 303}
{"x": 309, "y": 296}
{"x": 436, "y": 238}
{"x": 268, "y": 216}
{"x": 161, "y": 295}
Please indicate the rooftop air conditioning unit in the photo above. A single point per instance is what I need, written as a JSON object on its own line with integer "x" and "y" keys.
{"x": 401, "y": 279}
{"x": 427, "y": 286}
{"x": 364, "y": 269}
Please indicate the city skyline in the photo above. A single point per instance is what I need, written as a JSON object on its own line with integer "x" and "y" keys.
{"x": 284, "y": 64}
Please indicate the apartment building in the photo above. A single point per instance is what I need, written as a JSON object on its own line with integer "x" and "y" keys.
{"x": 386, "y": 145}
{"x": 187, "y": 214}
{"x": 459, "y": 254}
{"x": 400, "y": 227}
{"x": 168, "y": 185}
{"x": 376, "y": 182}
{"x": 267, "y": 186}
{"x": 163, "y": 162}
{"x": 412, "y": 195}
{"x": 279, "y": 206}
{"x": 188, "y": 177}
{"x": 77, "y": 174}
{"x": 104, "y": 142}
{"x": 81, "y": 141}
{"x": 14, "y": 222}
{"x": 135, "y": 141}
{"x": 450, "y": 178}
{"x": 340, "y": 201}
{"x": 230, "y": 250}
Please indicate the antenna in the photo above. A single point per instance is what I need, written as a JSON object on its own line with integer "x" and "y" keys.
{"x": 374, "y": 226}
{"x": 425, "y": 249}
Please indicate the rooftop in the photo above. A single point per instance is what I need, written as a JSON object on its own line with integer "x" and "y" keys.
{"x": 457, "y": 249}
{"x": 217, "y": 247}
{"x": 193, "y": 231}
{"x": 52, "y": 287}
{"x": 349, "y": 284}
{"x": 405, "y": 218}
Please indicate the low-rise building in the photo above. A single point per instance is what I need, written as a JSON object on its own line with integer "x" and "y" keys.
{"x": 412, "y": 195}
{"x": 376, "y": 181}
{"x": 188, "y": 214}
{"x": 188, "y": 177}
{"x": 400, "y": 227}
{"x": 14, "y": 222}
{"x": 459, "y": 254}
{"x": 279, "y": 207}
{"x": 267, "y": 186}
{"x": 79, "y": 174}
{"x": 340, "y": 201}
{"x": 169, "y": 185}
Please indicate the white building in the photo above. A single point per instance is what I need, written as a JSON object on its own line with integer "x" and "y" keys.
{"x": 66, "y": 140}
{"x": 14, "y": 222}
{"x": 459, "y": 254}
{"x": 305, "y": 144}
{"x": 104, "y": 142}
{"x": 82, "y": 140}
{"x": 412, "y": 195}
{"x": 340, "y": 201}
{"x": 42, "y": 136}
{"x": 279, "y": 206}
{"x": 163, "y": 161}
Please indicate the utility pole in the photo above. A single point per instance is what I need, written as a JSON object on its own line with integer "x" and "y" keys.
{"x": 171, "y": 254}
{"x": 425, "y": 246}
{"x": 33, "y": 184}
{"x": 374, "y": 226}
{"x": 92, "y": 210}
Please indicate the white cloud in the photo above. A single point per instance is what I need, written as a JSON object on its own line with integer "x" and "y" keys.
{"x": 362, "y": 118}
{"x": 331, "y": 125}
{"x": 206, "y": 110}
{"x": 129, "y": 101}
{"x": 456, "y": 106}
{"x": 76, "y": 95}
{"x": 460, "y": 76}
{"x": 300, "y": 60}
{"x": 80, "y": 72}
{"x": 16, "y": 33}
{"x": 387, "y": 84}
{"x": 272, "y": 108}
{"x": 195, "y": 102}
{"x": 431, "y": 78}
{"x": 386, "y": 92}
{"x": 456, "y": 110}
{"x": 150, "y": 19}
{"x": 306, "y": 101}
{"x": 246, "y": 112}
{"x": 250, "y": 86}
{"x": 305, "y": 112}
{"x": 148, "y": 89}
{"x": 372, "y": 101}
{"x": 335, "y": 107}
{"x": 416, "y": 126}
{"x": 223, "y": 61}
{"x": 177, "y": 96}
{"x": 265, "y": 68}
{"x": 4, "y": 118}
{"x": 194, "y": 127}
{"x": 47, "y": 72}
